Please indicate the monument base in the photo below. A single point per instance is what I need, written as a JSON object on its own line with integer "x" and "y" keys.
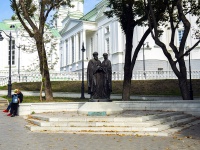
{"x": 100, "y": 108}
{"x": 100, "y": 100}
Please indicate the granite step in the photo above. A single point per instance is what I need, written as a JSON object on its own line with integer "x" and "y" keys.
{"x": 112, "y": 123}
{"x": 157, "y": 125}
{"x": 158, "y": 128}
{"x": 105, "y": 118}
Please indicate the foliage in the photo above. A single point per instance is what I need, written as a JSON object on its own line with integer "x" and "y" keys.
{"x": 123, "y": 8}
{"x": 176, "y": 12}
{"x": 33, "y": 15}
{"x": 28, "y": 45}
{"x": 130, "y": 14}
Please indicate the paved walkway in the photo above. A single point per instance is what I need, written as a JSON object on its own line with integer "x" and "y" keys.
{"x": 113, "y": 96}
{"x": 14, "y": 135}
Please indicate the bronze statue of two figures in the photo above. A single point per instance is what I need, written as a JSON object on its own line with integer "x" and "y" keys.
{"x": 99, "y": 78}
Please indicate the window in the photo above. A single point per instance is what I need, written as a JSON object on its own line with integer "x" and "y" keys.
{"x": 12, "y": 52}
{"x": 180, "y": 35}
{"x": 107, "y": 30}
{"x": 160, "y": 71}
{"x": 107, "y": 45}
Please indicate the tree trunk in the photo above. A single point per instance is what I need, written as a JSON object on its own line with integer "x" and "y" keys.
{"x": 126, "y": 89}
{"x": 127, "y": 67}
{"x": 44, "y": 70}
{"x": 41, "y": 91}
{"x": 183, "y": 85}
{"x": 182, "y": 78}
{"x": 47, "y": 82}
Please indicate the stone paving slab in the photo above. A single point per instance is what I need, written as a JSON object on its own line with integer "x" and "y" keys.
{"x": 132, "y": 113}
{"x": 14, "y": 135}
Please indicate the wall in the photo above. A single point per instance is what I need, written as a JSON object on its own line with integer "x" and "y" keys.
{"x": 186, "y": 106}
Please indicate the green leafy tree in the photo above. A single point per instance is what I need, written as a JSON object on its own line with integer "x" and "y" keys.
{"x": 132, "y": 13}
{"x": 176, "y": 13}
{"x": 50, "y": 42}
{"x": 33, "y": 15}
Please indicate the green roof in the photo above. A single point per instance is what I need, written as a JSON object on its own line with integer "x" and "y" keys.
{"x": 6, "y": 26}
{"x": 97, "y": 12}
{"x": 90, "y": 15}
{"x": 55, "y": 32}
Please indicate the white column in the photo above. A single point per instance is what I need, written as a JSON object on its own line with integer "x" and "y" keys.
{"x": 64, "y": 53}
{"x": 73, "y": 50}
{"x": 96, "y": 43}
{"x": 103, "y": 42}
{"x": 114, "y": 35}
{"x": 100, "y": 38}
{"x": 120, "y": 39}
{"x": 76, "y": 47}
{"x": 80, "y": 44}
{"x": 70, "y": 50}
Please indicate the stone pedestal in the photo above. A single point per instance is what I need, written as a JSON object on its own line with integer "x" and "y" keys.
{"x": 100, "y": 108}
{"x": 100, "y": 100}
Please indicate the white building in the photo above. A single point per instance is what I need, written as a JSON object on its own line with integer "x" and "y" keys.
{"x": 98, "y": 33}
{"x": 24, "y": 53}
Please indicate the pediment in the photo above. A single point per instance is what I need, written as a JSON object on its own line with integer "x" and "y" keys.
{"x": 69, "y": 24}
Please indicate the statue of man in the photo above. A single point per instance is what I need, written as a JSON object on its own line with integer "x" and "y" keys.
{"x": 95, "y": 78}
{"x": 106, "y": 65}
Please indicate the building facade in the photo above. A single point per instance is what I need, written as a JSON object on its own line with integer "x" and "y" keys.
{"x": 24, "y": 55}
{"x": 104, "y": 35}
{"x": 97, "y": 33}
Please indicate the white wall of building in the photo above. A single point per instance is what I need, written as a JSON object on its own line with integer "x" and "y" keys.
{"x": 23, "y": 60}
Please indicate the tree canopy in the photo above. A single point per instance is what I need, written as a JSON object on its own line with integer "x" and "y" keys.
{"x": 33, "y": 15}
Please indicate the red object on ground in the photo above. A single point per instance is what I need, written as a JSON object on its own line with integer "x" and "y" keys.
{"x": 5, "y": 110}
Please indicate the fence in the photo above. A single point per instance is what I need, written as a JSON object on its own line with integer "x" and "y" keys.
{"x": 77, "y": 76}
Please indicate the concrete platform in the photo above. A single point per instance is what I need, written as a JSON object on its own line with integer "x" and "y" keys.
{"x": 154, "y": 123}
{"x": 186, "y": 106}
{"x": 104, "y": 108}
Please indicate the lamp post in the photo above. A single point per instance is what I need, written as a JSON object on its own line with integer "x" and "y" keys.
{"x": 82, "y": 85}
{"x": 144, "y": 58}
{"x": 191, "y": 91}
{"x": 9, "y": 61}
{"x": 19, "y": 60}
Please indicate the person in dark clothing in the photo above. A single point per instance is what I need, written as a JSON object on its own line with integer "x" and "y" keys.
{"x": 13, "y": 107}
{"x": 107, "y": 67}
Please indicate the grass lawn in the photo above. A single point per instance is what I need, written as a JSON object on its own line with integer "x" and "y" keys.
{"x": 36, "y": 99}
{"x": 138, "y": 87}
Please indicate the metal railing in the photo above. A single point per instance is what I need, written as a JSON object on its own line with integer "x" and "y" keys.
{"x": 77, "y": 76}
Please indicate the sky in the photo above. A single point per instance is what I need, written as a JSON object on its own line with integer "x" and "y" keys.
{"x": 6, "y": 12}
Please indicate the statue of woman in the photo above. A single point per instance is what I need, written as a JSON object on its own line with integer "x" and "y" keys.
{"x": 106, "y": 65}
